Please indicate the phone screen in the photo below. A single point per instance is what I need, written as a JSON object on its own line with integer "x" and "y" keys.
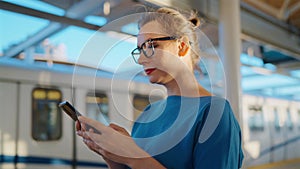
{"x": 73, "y": 113}
{"x": 70, "y": 110}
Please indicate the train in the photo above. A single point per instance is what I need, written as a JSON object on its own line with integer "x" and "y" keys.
{"x": 36, "y": 134}
{"x": 271, "y": 129}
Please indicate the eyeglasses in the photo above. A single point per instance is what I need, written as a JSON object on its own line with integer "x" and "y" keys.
{"x": 148, "y": 48}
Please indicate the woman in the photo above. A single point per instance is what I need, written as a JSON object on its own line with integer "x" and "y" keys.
{"x": 190, "y": 128}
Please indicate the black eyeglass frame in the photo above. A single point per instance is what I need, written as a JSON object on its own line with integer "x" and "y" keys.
{"x": 139, "y": 49}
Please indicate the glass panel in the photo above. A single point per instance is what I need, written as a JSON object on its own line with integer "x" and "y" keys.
{"x": 295, "y": 73}
{"x": 17, "y": 28}
{"x": 299, "y": 118}
{"x": 97, "y": 107}
{"x": 277, "y": 120}
{"x": 256, "y": 119}
{"x": 46, "y": 116}
{"x": 259, "y": 81}
{"x": 289, "y": 122}
{"x": 54, "y": 95}
{"x": 106, "y": 50}
{"x": 96, "y": 20}
{"x": 73, "y": 39}
{"x": 39, "y": 94}
{"x": 39, "y": 5}
{"x": 131, "y": 28}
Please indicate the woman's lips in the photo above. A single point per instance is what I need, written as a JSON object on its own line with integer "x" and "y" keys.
{"x": 149, "y": 71}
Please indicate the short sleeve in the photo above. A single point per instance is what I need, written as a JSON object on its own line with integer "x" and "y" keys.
{"x": 222, "y": 150}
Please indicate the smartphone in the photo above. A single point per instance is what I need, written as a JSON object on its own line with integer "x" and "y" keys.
{"x": 70, "y": 110}
{"x": 73, "y": 113}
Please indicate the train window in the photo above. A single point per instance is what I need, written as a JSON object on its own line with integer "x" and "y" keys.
{"x": 256, "y": 119}
{"x": 289, "y": 122}
{"x": 97, "y": 106}
{"x": 277, "y": 121}
{"x": 46, "y": 116}
{"x": 141, "y": 101}
{"x": 299, "y": 118}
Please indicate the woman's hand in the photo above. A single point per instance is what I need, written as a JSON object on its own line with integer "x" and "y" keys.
{"x": 94, "y": 147}
{"x": 119, "y": 129}
{"x": 115, "y": 145}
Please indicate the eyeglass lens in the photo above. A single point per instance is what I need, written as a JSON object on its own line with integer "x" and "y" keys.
{"x": 147, "y": 48}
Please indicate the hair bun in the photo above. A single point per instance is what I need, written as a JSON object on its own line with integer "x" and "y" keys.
{"x": 195, "y": 21}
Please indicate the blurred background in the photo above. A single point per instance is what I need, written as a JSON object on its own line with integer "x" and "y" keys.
{"x": 79, "y": 50}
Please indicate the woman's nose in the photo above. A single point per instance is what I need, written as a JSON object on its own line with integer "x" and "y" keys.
{"x": 142, "y": 59}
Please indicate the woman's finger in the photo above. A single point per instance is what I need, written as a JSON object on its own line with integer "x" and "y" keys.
{"x": 93, "y": 146}
{"x": 119, "y": 129}
{"x": 83, "y": 134}
{"x": 94, "y": 137}
{"x": 92, "y": 123}
{"x": 77, "y": 125}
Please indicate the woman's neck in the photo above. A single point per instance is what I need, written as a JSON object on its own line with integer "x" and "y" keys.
{"x": 186, "y": 85}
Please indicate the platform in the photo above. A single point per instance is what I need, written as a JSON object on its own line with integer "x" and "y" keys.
{"x": 288, "y": 164}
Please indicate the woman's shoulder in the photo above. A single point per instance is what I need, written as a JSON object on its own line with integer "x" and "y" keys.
{"x": 216, "y": 118}
{"x": 213, "y": 108}
{"x": 202, "y": 103}
{"x": 215, "y": 101}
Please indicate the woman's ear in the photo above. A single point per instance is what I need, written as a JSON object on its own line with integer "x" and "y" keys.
{"x": 183, "y": 46}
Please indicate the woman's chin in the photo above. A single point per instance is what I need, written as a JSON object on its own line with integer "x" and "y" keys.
{"x": 153, "y": 80}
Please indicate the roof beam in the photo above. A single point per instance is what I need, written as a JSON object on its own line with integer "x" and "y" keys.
{"x": 263, "y": 6}
{"x": 292, "y": 9}
{"x": 48, "y": 16}
{"x": 282, "y": 12}
{"x": 269, "y": 31}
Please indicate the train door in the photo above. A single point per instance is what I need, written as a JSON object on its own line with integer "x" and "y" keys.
{"x": 8, "y": 124}
{"x": 293, "y": 138}
{"x": 94, "y": 105}
{"x": 277, "y": 130}
{"x": 45, "y": 134}
{"x": 255, "y": 137}
{"x": 297, "y": 129}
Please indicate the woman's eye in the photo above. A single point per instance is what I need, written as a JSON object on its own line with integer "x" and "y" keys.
{"x": 150, "y": 45}
{"x": 153, "y": 45}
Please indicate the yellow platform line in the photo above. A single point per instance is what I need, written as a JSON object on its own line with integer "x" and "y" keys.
{"x": 276, "y": 164}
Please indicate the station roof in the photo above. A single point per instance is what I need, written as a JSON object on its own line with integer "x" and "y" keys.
{"x": 59, "y": 30}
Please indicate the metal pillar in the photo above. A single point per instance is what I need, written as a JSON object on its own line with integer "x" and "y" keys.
{"x": 230, "y": 50}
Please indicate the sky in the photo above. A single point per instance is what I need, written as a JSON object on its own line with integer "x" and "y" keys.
{"x": 16, "y": 28}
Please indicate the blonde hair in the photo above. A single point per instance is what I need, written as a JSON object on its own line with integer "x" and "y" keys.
{"x": 177, "y": 24}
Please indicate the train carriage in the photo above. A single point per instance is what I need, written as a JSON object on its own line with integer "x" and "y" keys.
{"x": 34, "y": 133}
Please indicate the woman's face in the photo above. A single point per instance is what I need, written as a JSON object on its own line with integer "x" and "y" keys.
{"x": 165, "y": 63}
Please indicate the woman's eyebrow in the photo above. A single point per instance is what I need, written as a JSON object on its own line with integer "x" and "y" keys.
{"x": 144, "y": 42}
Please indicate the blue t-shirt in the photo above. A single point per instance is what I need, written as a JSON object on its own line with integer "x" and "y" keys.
{"x": 190, "y": 133}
